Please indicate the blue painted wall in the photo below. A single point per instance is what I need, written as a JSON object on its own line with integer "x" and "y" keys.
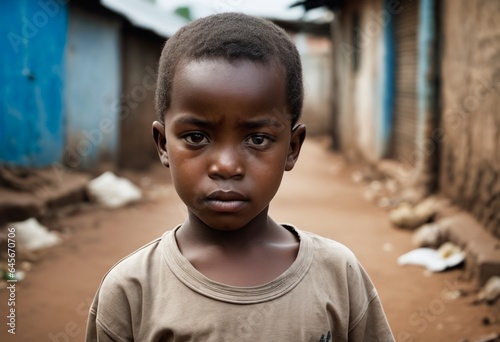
{"x": 93, "y": 85}
{"x": 425, "y": 85}
{"x": 387, "y": 84}
{"x": 32, "y": 45}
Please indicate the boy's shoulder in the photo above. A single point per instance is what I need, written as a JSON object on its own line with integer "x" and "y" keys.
{"x": 137, "y": 264}
{"x": 327, "y": 248}
{"x": 336, "y": 261}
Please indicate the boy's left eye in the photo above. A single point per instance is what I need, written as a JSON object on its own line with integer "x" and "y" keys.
{"x": 258, "y": 141}
{"x": 195, "y": 138}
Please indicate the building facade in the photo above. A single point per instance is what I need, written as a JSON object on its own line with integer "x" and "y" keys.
{"x": 417, "y": 84}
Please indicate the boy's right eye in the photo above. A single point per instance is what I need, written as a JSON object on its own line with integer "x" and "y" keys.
{"x": 195, "y": 138}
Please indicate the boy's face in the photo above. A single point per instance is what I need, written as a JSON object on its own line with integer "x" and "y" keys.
{"x": 227, "y": 139}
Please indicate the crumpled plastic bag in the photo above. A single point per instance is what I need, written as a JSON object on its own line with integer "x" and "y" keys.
{"x": 447, "y": 256}
{"x": 112, "y": 191}
{"x": 31, "y": 235}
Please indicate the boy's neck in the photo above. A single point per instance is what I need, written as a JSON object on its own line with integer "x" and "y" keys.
{"x": 261, "y": 228}
{"x": 249, "y": 256}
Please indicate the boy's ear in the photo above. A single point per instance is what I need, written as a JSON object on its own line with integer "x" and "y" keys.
{"x": 298, "y": 136}
{"x": 161, "y": 142}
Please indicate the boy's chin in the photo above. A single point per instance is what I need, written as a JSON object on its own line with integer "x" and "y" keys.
{"x": 225, "y": 225}
{"x": 223, "y": 222}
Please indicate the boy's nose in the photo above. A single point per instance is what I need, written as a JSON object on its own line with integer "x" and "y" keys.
{"x": 226, "y": 163}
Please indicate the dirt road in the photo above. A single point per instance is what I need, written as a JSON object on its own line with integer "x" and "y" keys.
{"x": 318, "y": 195}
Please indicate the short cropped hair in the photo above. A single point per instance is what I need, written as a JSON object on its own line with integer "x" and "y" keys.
{"x": 231, "y": 36}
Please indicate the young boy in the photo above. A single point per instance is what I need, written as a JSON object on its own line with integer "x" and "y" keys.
{"x": 229, "y": 95}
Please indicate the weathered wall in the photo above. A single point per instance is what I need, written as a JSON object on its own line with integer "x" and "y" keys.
{"x": 358, "y": 36}
{"x": 92, "y": 91}
{"x": 470, "y": 162}
{"x": 316, "y": 64}
{"x": 31, "y": 82}
{"x": 343, "y": 84}
{"x": 141, "y": 52}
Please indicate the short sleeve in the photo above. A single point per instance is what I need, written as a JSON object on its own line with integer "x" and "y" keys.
{"x": 368, "y": 320}
{"x": 110, "y": 317}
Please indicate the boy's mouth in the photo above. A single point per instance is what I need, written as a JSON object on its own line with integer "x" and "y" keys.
{"x": 226, "y": 201}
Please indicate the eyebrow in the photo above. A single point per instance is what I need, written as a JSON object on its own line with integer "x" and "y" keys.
{"x": 245, "y": 125}
{"x": 259, "y": 123}
{"x": 189, "y": 120}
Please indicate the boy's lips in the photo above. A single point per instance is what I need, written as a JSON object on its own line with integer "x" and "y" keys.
{"x": 226, "y": 201}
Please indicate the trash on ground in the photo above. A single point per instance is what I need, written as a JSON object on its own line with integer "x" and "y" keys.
{"x": 408, "y": 216}
{"x": 447, "y": 256}
{"x": 387, "y": 247}
{"x": 489, "y": 320}
{"x": 384, "y": 202}
{"x": 493, "y": 337}
{"x": 392, "y": 186}
{"x": 18, "y": 275}
{"x": 31, "y": 235}
{"x": 428, "y": 235}
{"x": 369, "y": 195}
{"x": 357, "y": 176}
{"x": 490, "y": 291}
{"x": 112, "y": 191}
{"x": 404, "y": 216}
{"x": 452, "y": 295}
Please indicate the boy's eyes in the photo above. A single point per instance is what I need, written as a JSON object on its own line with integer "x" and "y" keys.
{"x": 258, "y": 141}
{"x": 195, "y": 138}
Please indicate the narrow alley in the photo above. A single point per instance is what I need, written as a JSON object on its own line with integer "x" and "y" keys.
{"x": 318, "y": 195}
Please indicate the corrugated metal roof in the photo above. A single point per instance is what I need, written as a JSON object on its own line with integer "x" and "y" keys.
{"x": 147, "y": 15}
{"x": 312, "y": 4}
{"x": 159, "y": 16}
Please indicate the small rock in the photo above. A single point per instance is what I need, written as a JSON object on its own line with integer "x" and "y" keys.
{"x": 452, "y": 295}
{"x": 391, "y": 185}
{"x": 428, "y": 235}
{"x": 387, "y": 247}
{"x": 376, "y": 186}
{"x": 357, "y": 176}
{"x": 26, "y": 266}
{"x": 384, "y": 202}
{"x": 490, "y": 291}
{"x": 487, "y": 320}
{"x": 369, "y": 195}
{"x": 403, "y": 216}
{"x": 427, "y": 208}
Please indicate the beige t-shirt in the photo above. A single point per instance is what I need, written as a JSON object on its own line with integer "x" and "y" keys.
{"x": 155, "y": 294}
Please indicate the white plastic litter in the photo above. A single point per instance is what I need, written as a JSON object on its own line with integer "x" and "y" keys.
{"x": 433, "y": 260}
{"x": 31, "y": 235}
{"x": 112, "y": 191}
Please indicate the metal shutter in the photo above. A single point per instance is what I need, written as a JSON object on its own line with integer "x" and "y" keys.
{"x": 405, "y": 102}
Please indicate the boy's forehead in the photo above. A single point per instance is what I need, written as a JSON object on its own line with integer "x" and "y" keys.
{"x": 226, "y": 78}
{"x": 243, "y": 85}
{"x": 213, "y": 66}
